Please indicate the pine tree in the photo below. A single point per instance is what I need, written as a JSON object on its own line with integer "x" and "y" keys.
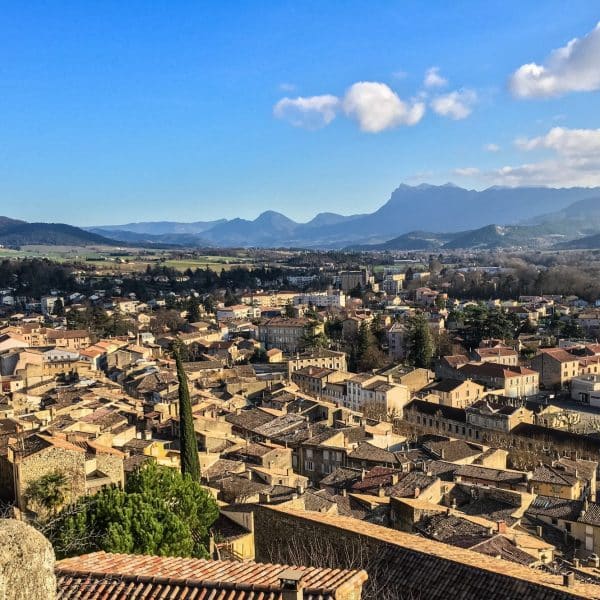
{"x": 190, "y": 464}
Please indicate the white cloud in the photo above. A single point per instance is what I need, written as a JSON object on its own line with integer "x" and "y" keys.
{"x": 433, "y": 78}
{"x": 288, "y": 87}
{"x": 456, "y": 105}
{"x": 576, "y": 160}
{"x": 376, "y": 107}
{"x": 566, "y": 142}
{"x": 399, "y": 74}
{"x": 491, "y": 148}
{"x": 466, "y": 171}
{"x": 572, "y": 68}
{"x": 311, "y": 112}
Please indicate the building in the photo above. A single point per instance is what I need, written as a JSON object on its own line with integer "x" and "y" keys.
{"x": 238, "y": 311}
{"x": 350, "y": 280}
{"x": 456, "y": 393}
{"x": 515, "y": 382}
{"x": 320, "y": 357}
{"x": 397, "y": 337}
{"x": 485, "y": 414}
{"x": 378, "y": 393}
{"x": 500, "y": 355}
{"x": 287, "y": 334}
{"x": 556, "y": 367}
{"x": 393, "y": 283}
{"x": 586, "y": 389}
{"x": 314, "y": 380}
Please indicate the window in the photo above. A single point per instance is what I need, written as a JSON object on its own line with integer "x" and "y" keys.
{"x": 309, "y": 465}
{"x": 309, "y": 453}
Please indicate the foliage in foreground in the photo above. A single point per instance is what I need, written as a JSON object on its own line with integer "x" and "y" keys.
{"x": 160, "y": 512}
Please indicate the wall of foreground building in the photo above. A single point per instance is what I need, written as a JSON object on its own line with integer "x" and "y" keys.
{"x": 401, "y": 566}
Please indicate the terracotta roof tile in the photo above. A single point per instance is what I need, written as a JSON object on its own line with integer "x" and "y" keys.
{"x": 103, "y": 576}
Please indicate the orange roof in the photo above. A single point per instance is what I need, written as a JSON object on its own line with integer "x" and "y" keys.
{"x": 145, "y": 577}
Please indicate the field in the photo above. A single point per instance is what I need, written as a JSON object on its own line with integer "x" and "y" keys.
{"x": 107, "y": 259}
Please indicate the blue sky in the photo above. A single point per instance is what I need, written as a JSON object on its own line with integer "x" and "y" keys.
{"x": 169, "y": 110}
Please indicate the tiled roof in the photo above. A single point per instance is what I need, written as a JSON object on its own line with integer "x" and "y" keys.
{"x": 371, "y": 453}
{"x": 559, "y": 508}
{"x": 591, "y": 514}
{"x": 548, "y": 474}
{"x": 451, "y": 450}
{"x": 431, "y": 409}
{"x": 102, "y": 576}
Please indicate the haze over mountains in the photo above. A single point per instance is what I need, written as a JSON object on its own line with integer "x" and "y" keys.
{"x": 414, "y": 218}
{"x": 445, "y": 209}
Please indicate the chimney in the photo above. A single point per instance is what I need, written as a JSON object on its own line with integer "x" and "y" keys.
{"x": 291, "y": 585}
{"x": 343, "y": 492}
{"x": 569, "y": 579}
{"x": 381, "y": 492}
{"x": 264, "y": 498}
{"x": 417, "y": 492}
{"x": 442, "y": 454}
{"x": 299, "y": 489}
{"x": 395, "y": 478}
{"x": 453, "y": 505}
{"x": 501, "y": 526}
{"x": 539, "y": 530}
{"x": 363, "y": 474}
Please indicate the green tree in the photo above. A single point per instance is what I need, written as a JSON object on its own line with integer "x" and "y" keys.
{"x": 193, "y": 310}
{"x": 160, "y": 512}
{"x": 420, "y": 342}
{"x": 289, "y": 310}
{"x": 59, "y": 308}
{"x": 190, "y": 465}
{"x": 49, "y": 492}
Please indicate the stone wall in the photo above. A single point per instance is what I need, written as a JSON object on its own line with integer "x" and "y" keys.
{"x": 50, "y": 460}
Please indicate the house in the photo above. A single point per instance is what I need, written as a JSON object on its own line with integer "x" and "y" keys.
{"x": 320, "y": 357}
{"x": 499, "y": 354}
{"x": 377, "y": 392}
{"x": 558, "y": 481}
{"x": 515, "y": 382}
{"x": 556, "y": 367}
{"x": 313, "y": 380}
{"x": 397, "y": 338}
{"x": 456, "y": 393}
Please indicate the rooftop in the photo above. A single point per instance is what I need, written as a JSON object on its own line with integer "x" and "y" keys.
{"x": 103, "y": 576}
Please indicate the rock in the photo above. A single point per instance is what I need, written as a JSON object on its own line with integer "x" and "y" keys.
{"x": 26, "y": 563}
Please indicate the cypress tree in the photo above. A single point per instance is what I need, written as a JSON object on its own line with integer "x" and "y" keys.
{"x": 190, "y": 465}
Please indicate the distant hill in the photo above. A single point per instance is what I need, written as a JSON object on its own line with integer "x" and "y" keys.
{"x": 164, "y": 239}
{"x": 589, "y": 242}
{"x": 20, "y": 233}
{"x": 161, "y": 227}
{"x": 446, "y": 208}
{"x": 414, "y": 240}
{"x": 492, "y": 236}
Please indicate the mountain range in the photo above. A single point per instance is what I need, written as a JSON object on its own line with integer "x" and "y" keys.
{"x": 442, "y": 208}
{"x": 423, "y": 217}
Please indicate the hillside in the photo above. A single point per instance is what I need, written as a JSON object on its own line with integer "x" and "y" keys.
{"x": 589, "y": 242}
{"x": 20, "y": 233}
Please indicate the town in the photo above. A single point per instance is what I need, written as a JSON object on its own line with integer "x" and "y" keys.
{"x": 392, "y": 419}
